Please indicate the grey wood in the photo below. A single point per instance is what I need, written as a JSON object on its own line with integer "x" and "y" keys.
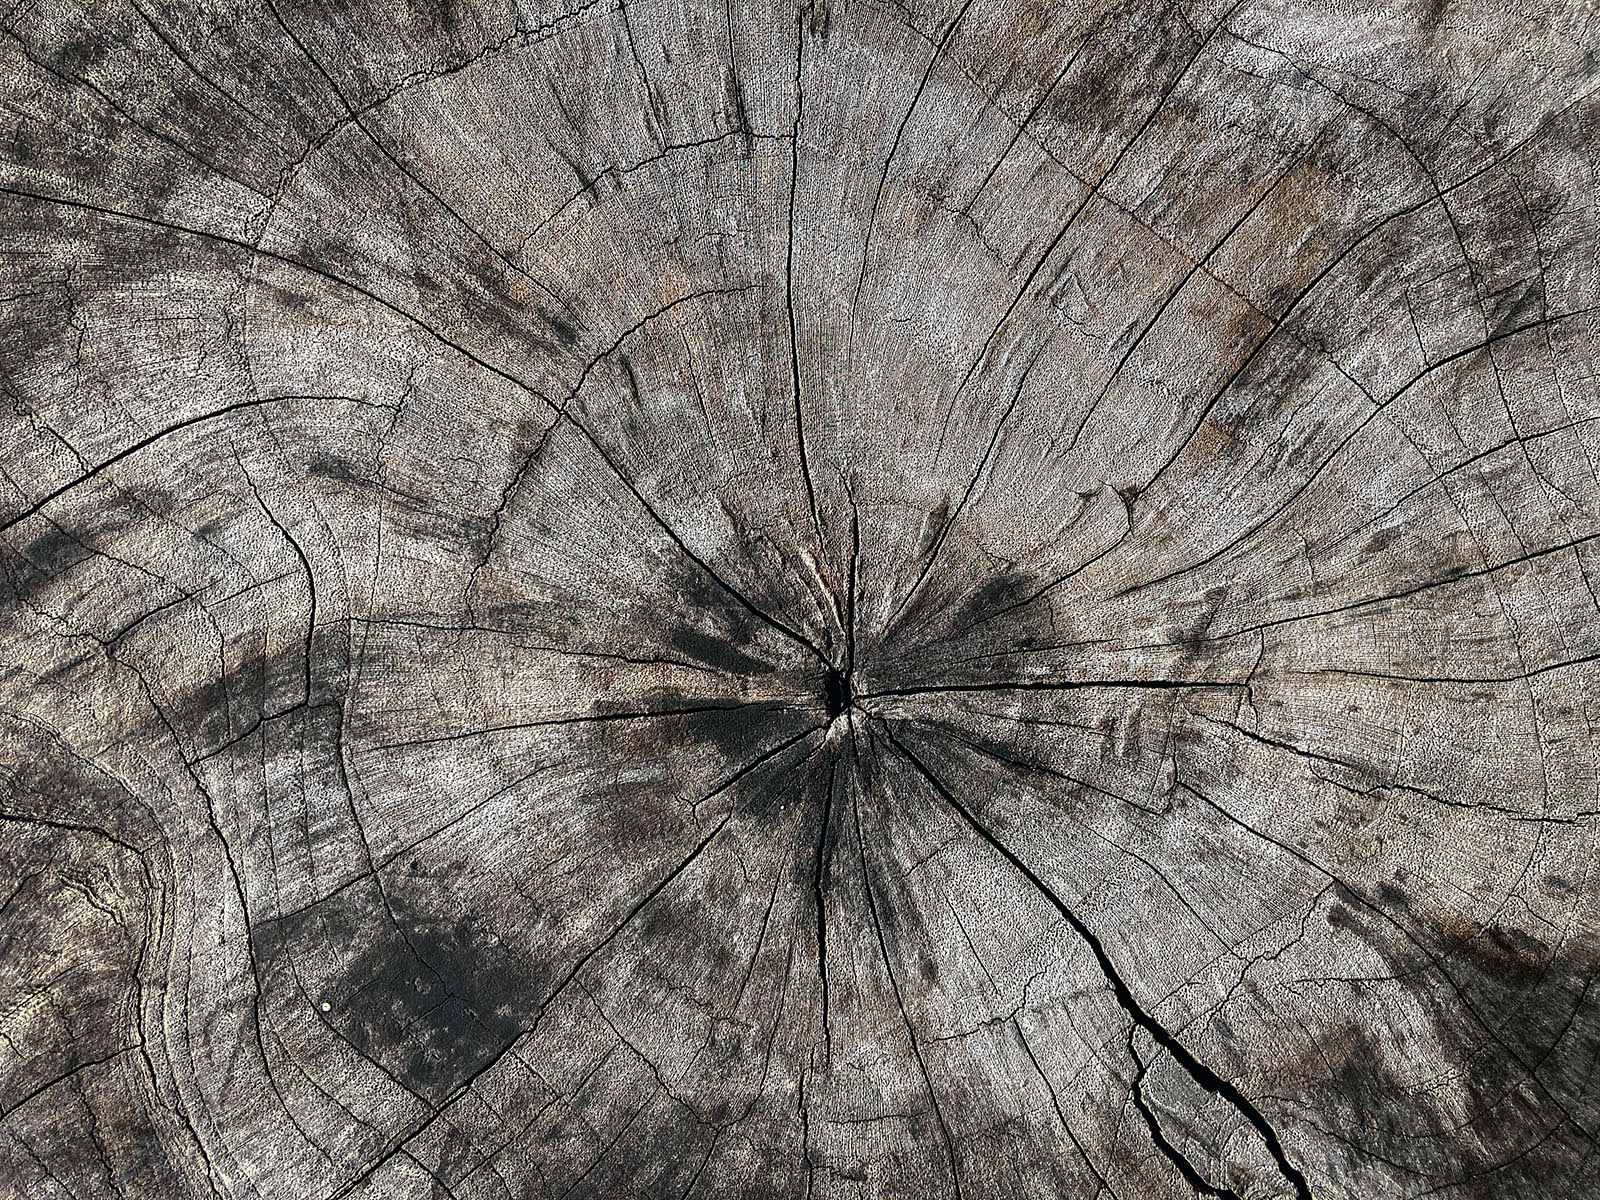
{"x": 677, "y": 599}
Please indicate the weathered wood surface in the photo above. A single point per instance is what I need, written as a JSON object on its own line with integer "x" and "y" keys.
{"x": 707, "y": 600}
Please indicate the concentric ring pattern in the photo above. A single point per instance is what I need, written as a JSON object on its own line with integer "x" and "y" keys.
{"x": 679, "y": 599}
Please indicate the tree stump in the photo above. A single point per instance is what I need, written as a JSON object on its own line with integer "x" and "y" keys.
{"x": 646, "y": 599}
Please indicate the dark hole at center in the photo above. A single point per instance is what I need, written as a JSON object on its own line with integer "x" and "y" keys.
{"x": 836, "y": 692}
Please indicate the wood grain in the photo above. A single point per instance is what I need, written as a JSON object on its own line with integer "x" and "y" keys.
{"x": 644, "y": 598}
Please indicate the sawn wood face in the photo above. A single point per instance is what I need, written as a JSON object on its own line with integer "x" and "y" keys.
{"x": 699, "y": 600}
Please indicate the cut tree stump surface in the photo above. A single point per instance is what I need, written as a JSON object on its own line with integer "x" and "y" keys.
{"x": 695, "y": 600}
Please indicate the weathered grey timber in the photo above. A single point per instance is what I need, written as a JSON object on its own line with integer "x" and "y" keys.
{"x": 697, "y": 599}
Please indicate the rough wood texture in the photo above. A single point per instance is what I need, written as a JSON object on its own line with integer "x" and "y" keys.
{"x": 706, "y": 600}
